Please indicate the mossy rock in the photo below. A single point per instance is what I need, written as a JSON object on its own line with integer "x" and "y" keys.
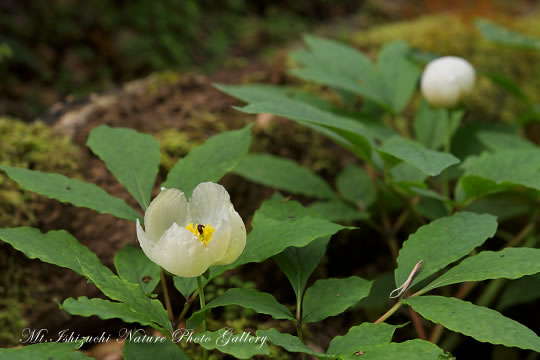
{"x": 32, "y": 146}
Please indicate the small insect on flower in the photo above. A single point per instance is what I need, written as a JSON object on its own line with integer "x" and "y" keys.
{"x": 186, "y": 238}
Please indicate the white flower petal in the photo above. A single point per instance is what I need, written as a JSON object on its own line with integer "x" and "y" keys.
{"x": 219, "y": 244}
{"x": 182, "y": 253}
{"x": 237, "y": 240}
{"x": 169, "y": 207}
{"x": 209, "y": 204}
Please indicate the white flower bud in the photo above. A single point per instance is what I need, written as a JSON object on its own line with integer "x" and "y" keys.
{"x": 447, "y": 80}
{"x": 187, "y": 238}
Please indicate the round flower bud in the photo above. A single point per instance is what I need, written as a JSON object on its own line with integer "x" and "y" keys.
{"x": 447, "y": 80}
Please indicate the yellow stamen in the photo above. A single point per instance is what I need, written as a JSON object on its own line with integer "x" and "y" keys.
{"x": 203, "y": 232}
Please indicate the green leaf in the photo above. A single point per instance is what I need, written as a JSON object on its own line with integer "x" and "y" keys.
{"x": 399, "y": 74}
{"x": 489, "y": 173}
{"x": 186, "y": 286}
{"x": 510, "y": 263}
{"x": 499, "y": 141}
{"x": 511, "y": 87}
{"x": 133, "y": 295}
{"x": 362, "y": 337}
{"x": 479, "y": 322}
{"x": 271, "y": 237}
{"x": 289, "y": 342}
{"x": 411, "y": 349}
{"x": 428, "y": 161}
{"x": 241, "y": 346}
{"x": 431, "y": 125}
{"x": 442, "y": 242}
{"x": 64, "y": 189}
{"x": 355, "y": 186}
{"x": 133, "y": 265}
{"x": 504, "y": 206}
{"x": 504, "y": 36}
{"x": 298, "y": 263}
{"x": 330, "y": 297}
{"x": 62, "y": 249}
{"x": 132, "y": 157}
{"x": 283, "y": 174}
{"x": 520, "y": 291}
{"x": 150, "y": 350}
{"x": 55, "y": 247}
{"x": 336, "y": 211}
{"x": 209, "y": 161}
{"x": 104, "y": 309}
{"x": 262, "y": 303}
{"x": 330, "y": 63}
{"x": 51, "y": 350}
{"x": 352, "y": 134}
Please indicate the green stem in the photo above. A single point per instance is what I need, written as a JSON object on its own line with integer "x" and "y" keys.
{"x": 390, "y": 312}
{"x": 200, "y": 287}
{"x": 166, "y": 297}
{"x": 447, "y": 149}
{"x": 299, "y": 318}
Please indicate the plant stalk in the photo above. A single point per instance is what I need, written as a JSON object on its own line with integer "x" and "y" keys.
{"x": 166, "y": 297}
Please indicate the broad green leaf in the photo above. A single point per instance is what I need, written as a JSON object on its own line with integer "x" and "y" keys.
{"x": 362, "y": 337}
{"x": 355, "y": 186}
{"x": 140, "y": 350}
{"x": 499, "y": 141}
{"x": 489, "y": 173}
{"x": 209, "y": 161}
{"x": 62, "y": 249}
{"x": 378, "y": 295}
{"x": 399, "y": 74}
{"x": 270, "y": 237}
{"x": 54, "y": 247}
{"x": 132, "y": 157}
{"x": 442, "y": 242}
{"x": 504, "y": 36}
{"x": 298, "y": 263}
{"x": 261, "y": 302}
{"x": 428, "y": 161}
{"x": 510, "y": 86}
{"x": 289, "y": 342}
{"x": 510, "y": 263}
{"x": 186, "y": 286}
{"x": 336, "y": 211}
{"x": 520, "y": 291}
{"x": 352, "y": 131}
{"x": 240, "y": 345}
{"x": 329, "y": 297}
{"x": 431, "y": 125}
{"x": 504, "y": 206}
{"x": 479, "y": 322}
{"x": 133, "y": 265}
{"x": 330, "y": 63}
{"x": 278, "y": 225}
{"x": 411, "y": 349}
{"x": 104, "y": 309}
{"x": 133, "y": 295}
{"x": 64, "y": 189}
{"x": 283, "y": 174}
{"x": 46, "y": 350}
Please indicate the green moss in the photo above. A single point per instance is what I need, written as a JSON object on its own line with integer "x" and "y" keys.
{"x": 33, "y": 146}
{"x": 173, "y": 145}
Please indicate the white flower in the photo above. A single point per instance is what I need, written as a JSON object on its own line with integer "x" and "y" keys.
{"x": 187, "y": 238}
{"x": 447, "y": 80}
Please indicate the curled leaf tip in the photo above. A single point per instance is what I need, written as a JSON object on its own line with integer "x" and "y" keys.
{"x": 401, "y": 290}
